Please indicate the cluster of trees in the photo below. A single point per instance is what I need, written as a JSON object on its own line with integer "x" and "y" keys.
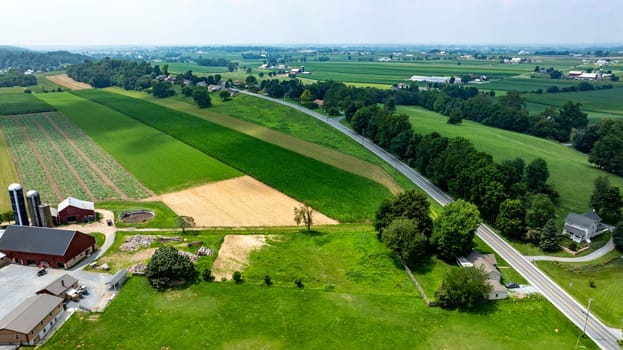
{"x": 292, "y": 88}
{"x": 604, "y": 142}
{"x": 15, "y": 77}
{"x": 23, "y": 59}
{"x": 130, "y": 75}
{"x": 583, "y": 86}
{"x": 606, "y": 200}
{"x": 168, "y": 266}
{"x": 213, "y": 62}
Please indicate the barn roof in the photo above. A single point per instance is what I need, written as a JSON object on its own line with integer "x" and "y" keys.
{"x": 77, "y": 203}
{"x": 39, "y": 240}
{"x": 60, "y": 285}
{"x": 27, "y": 315}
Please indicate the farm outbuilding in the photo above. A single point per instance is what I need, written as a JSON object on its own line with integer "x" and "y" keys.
{"x": 117, "y": 281}
{"x": 61, "y": 287}
{"x": 31, "y": 320}
{"x": 30, "y": 245}
{"x": 75, "y": 210}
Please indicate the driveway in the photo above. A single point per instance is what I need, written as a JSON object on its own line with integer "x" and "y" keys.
{"x": 592, "y": 256}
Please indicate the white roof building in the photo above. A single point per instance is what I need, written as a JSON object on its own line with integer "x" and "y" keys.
{"x": 77, "y": 203}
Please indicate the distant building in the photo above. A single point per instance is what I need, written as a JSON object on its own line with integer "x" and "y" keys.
{"x": 31, "y": 320}
{"x": 588, "y": 76}
{"x": 573, "y": 74}
{"x": 430, "y": 79}
{"x": 581, "y": 228}
{"x": 75, "y": 210}
{"x": 31, "y": 245}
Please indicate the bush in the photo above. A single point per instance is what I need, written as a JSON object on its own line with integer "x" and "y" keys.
{"x": 591, "y": 284}
{"x": 299, "y": 283}
{"x": 573, "y": 245}
{"x": 267, "y": 281}
{"x": 166, "y": 266}
{"x": 463, "y": 287}
{"x": 207, "y": 275}
{"x": 237, "y": 277}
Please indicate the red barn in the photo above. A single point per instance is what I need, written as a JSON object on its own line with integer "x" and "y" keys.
{"x": 75, "y": 210}
{"x": 27, "y": 245}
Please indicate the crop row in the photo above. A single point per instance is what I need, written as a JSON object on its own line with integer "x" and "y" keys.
{"x": 126, "y": 182}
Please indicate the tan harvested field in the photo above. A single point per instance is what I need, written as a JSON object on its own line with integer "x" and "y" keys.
{"x": 234, "y": 254}
{"x": 238, "y": 202}
{"x": 66, "y": 81}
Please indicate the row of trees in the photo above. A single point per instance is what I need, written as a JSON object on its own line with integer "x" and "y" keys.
{"x": 16, "y": 77}
{"x": 583, "y": 86}
{"x": 130, "y": 75}
{"x": 604, "y": 142}
{"x": 38, "y": 61}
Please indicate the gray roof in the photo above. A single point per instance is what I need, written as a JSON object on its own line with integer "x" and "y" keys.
{"x": 27, "y": 315}
{"x": 39, "y": 240}
{"x": 592, "y": 215}
{"x": 578, "y": 220}
{"x": 486, "y": 262}
{"x": 60, "y": 285}
{"x": 120, "y": 276}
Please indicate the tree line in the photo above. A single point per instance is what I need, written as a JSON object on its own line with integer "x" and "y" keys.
{"x": 603, "y": 141}
{"x": 23, "y": 59}
{"x": 15, "y": 77}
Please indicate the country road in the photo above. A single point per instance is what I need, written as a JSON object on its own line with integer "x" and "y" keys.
{"x": 603, "y": 336}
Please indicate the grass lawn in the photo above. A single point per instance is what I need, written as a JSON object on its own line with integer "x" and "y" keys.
{"x": 99, "y": 238}
{"x": 607, "y": 275}
{"x": 8, "y": 172}
{"x": 570, "y": 172}
{"x": 334, "y": 192}
{"x": 21, "y": 103}
{"x": 159, "y": 161}
{"x": 371, "y": 307}
{"x": 164, "y": 216}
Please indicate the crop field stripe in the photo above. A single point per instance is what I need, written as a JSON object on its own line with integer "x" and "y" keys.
{"x": 337, "y": 193}
{"x": 8, "y": 170}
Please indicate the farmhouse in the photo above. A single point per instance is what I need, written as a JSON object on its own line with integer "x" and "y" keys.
{"x": 63, "y": 287}
{"x": 75, "y": 210}
{"x": 581, "y": 228}
{"x": 28, "y": 245}
{"x": 30, "y": 321}
{"x": 488, "y": 264}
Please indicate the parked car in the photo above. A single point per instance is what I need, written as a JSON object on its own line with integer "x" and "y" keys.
{"x": 42, "y": 271}
{"x": 109, "y": 222}
{"x": 512, "y": 285}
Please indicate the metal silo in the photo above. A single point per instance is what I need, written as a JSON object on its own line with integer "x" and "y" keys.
{"x": 45, "y": 215}
{"x": 34, "y": 200}
{"x": 16, "y": 193}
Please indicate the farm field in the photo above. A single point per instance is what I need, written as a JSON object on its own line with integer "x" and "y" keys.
{"x": 597, "y": 103}
{"x": 8, "y": 172}
{"x": 336, "y": 193}
{"x": 355, "y": 297}
{"x": 570, "y": 171}
{"x": 180, "y": 68}
{"x": 607, "y": 277}
{"x": 147, "y": 153}
{"x": 66, "y": 81}
{"x": 524, "y": 83}
{"x": 57, "y": 159}
{"x": 21, "y": 103}
{"x": 290, "y": 129}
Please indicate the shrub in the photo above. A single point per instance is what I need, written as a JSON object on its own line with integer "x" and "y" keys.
{"x": 207, "y": 275}
{"x": 591, "y": 284}
{"x": 268, "y": 281}
{"x": 237, "y": 277}
{"x": 299, "y": 283}
{"x": 573, "y": 245}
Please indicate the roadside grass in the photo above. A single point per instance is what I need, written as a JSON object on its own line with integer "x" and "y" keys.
{"x": 21, "y": 103}
{"x": 159, "y": 161}
{"x": 99, "y": 238}
{"x": 334, "y": 192}
{"x": 382, "y": 315}
{"x": 570, "y": 172}
{"x": 8, "y": 172}
{"x": 164, "y": 217}
{"x": 607, "y": 275}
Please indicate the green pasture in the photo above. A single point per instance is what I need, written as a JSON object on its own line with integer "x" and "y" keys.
{"x": 337, "y": 193}
{"x": 8, "y": 172}
{"x": 570, "y": 172}
{"x": 607, "y": 276}
{"x": 597, "y": 103}
{"x": 164, "y": 217}
{"x": 355, "y": 297}
{"x": 525, "y": 83}
{"x": 159, "y": 161}
{"x": 180, "y": 68}
{"x": 21, "y": 103}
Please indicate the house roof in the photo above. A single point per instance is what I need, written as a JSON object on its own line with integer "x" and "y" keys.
{"x": 496, "y": 286}
{"x": 27, "y": 315}
{"x": 60, "y": 285}
{"x": 592, "y": 215}
{"x": 486, "y": 261}
{"x": 578, "y": 220}
{"x": 39, "y": 240}
{"x": 77, "y": 203}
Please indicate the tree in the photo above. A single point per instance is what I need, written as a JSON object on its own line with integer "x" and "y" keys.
{"x": 162, "y": 89}
{"x": 606, "y": 200}
{"x": 304, "y": 214}
{"x": 251, "y": 80}
{"x": 550, "y": 241}
{"x": 306, "y": 98}
{"x": 207, "y": 275}
{"x": 404, "y": 238}
{"x": 540, "y": 210}
{"x": 166, "y": 265}
{"x": 607, "y": 153}
{"x": 165, "y": 69}
{"x": 409, "y": 205}
{"x": 617, "y": 236}
{"x": 185, "y": 222}
{"x": 237, "y": 277}
{"x": 202, "y": 97}
{"x": 225, "y": 95}
{"x": 537, "y": 174}
{"x": 456, "y": 116}
{"x": 455, "y": 229}
{"x": 390, "y": 104}
{"x": 510, "y": 220}
{"x": 463, "y": 287}
{"x": 231, "y": 66}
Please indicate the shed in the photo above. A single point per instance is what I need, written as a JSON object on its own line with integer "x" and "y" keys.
{"x": 31, "y": 320}
{"x": 75, "y": 210}
{"x": 117, "y": 281}
{"x": 61, "y": 287}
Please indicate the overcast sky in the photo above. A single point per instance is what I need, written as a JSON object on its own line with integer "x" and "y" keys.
{"x": 231, "y": 22}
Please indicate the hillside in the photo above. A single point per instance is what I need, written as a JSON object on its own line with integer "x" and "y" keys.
{"x": 14, "y": 57}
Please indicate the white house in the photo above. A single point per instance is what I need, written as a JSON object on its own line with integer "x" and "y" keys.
{"x": 488, "y": 264}
{"x": 581, "y": 228}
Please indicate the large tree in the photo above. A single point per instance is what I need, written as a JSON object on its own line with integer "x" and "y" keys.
{"x": 540, "y": 210}
{"x": 606, "y": 199}
{"x": 410, "y": 205}
{"x": 455, "y": 229}
{"x": 537, "y": 174}
{"x": 202, "y": 97}
{"x": 510, "y": 220}
{"x": 304, "y": 214}
{"x": 463, "y": 287}
{"x": 404, "y": 237}
{"x": 167, "y": 265}
{"x": 550, "y": 240}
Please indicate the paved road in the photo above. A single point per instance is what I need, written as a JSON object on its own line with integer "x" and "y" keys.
{"x": 589, "y": 257}
{"x": 603, "y": 336}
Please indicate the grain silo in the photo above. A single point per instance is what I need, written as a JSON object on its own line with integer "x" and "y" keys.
{"x": 34, "y": 200}
{"x": 16, "y": 193}
{"x": 45, "y": 215}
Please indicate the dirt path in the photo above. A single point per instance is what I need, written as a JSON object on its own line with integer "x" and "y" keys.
{"x": 43, "y": 164}
{"x": 60, "y": 153}
{"x": 66, "y": 81}
{"x": 238, "y": 202}
{"x": 234, "y": 254}
{"x": 93, "y": 166}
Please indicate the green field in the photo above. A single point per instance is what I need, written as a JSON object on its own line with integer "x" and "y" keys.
{"x": 597, "y": 103}
{"x": 164, "y": 216}
{"x": 21, "y": 103}
{"x": 180, "y": 68}
{"x": 159, "y": 161}
{"x": 8, "y": 172}
{"x": 570, "y": 171}
{"x": 606, "y": 273}
{"x": 355, "y": 297}
{"x": 339, "y": 194}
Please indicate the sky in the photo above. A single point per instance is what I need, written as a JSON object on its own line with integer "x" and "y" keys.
{"x": 30, "y": 23}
